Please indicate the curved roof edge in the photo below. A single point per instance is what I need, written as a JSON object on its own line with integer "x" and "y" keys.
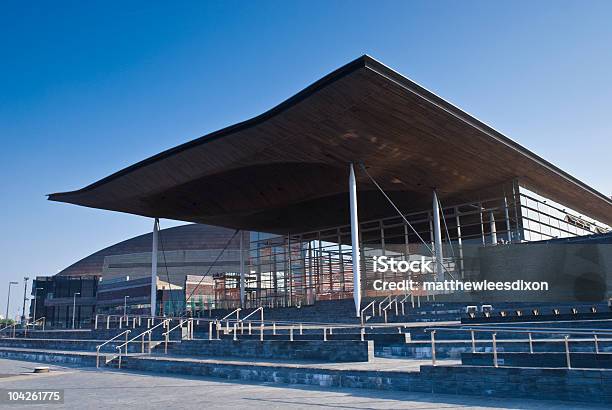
{"x": 364, "y": 61}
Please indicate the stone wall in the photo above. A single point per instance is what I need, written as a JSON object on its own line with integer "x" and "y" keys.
{"x": 329, "y": 351}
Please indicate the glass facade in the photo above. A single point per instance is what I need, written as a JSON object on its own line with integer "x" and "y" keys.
{"x": 299, "y": 269}
{"x": 544, "y": 219}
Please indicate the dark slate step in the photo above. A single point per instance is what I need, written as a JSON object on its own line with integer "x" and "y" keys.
{"x": 329, "y": 351}
{"x": 547, "y": 360}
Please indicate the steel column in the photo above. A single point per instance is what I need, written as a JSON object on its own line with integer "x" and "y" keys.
{"x": 355, "y": 240}
{"x": 437, "y": 237}
{"x": 242, "y": 279}
{"x": 493, "y": 228}
{"x": 154, "y": 268}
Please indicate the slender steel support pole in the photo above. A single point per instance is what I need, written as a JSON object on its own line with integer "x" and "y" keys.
{"x": 596, "y": 344}
{"x": 242, "y": 273}
{"x": 493, "y": 228}
{"x": 291, "y": 333}
{"x": 362, "y": 334}
{"x": 567, "y": 352}
{"x": 495, "y": 350}
{"x": 355, "y": 241}
{"x": 482, "y": 235}
{"x": 433, "y": 347}
{"x": 507, "y": 216}
{"x": 210, "y": 330}
{"x": 459, "y": 241}
{"x": 235, "y": 332}
{"x": 325, "y": 334}
{"x": 473, "y": 342}
{"x": 154, "y": 268}
{"x": 530, "y": 344}
{"x": 437, "y": 238}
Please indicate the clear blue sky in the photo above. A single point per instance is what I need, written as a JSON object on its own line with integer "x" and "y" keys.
{"x": 88, "y": 88}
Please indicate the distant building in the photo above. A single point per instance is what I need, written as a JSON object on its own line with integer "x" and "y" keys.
{"x": 119, "y": 276}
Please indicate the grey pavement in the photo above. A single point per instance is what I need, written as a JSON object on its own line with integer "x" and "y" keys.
{"x": 90, "y": 388}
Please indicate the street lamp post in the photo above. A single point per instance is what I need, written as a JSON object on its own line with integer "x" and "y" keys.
{"x": 74, "y": 306}
{"x": 35, "y": 297}
{"x": 8, "y": 299}
{"x": 25, "y": 299}
{"x": 125, "y": 298}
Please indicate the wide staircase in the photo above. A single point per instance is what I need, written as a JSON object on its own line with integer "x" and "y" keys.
{"x": 326, "y": 345}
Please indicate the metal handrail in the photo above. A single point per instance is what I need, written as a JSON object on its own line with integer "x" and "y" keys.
{"x": 126, "y": 332}
{"x": 561, "y": 330}
{"x": 44, "y": 322}
{"x": 236, "y": 311}
{"x": 372, "y": 303}
{"x": 380, "y": 304}
{"x": 126, "y": 318}
{"x": 148, "y": 331}
{"x": 166, "y": 334}
{"x": 13, "y": 326}
{"x": 392, "y": 301}
{"x": 33, "y": 324}
{"x": 252, "y": 313}
{"x": 404, "y": 300}
{"x": 565, "y": 333}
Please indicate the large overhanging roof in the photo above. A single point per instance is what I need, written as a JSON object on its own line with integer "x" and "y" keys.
{"x": 287, "y": 169}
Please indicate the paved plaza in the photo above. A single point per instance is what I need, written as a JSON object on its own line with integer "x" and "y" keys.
{"x": 88, "y": 388}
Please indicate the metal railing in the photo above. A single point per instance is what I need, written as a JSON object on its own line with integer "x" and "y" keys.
{"x": 259, "y": 309}
{"x": 124, "y": 320}
{"x": 125, "y": 332}
{"x": 13, "y": 326}
{"x": 236, "y": 311}
{"x": 388, "y": 307}
{"x": 566, "y": 333}
{"x": 381, "y": 303}
{"x": 372, "y": 303}
{"x": 166, "y": 334}
{"x": 33, "y": 324}
{"x": 41, "y": 319}
{"x": 164, "y": 323}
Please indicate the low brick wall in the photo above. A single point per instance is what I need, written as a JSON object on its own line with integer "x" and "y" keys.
{"x": 329, "y": 351}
